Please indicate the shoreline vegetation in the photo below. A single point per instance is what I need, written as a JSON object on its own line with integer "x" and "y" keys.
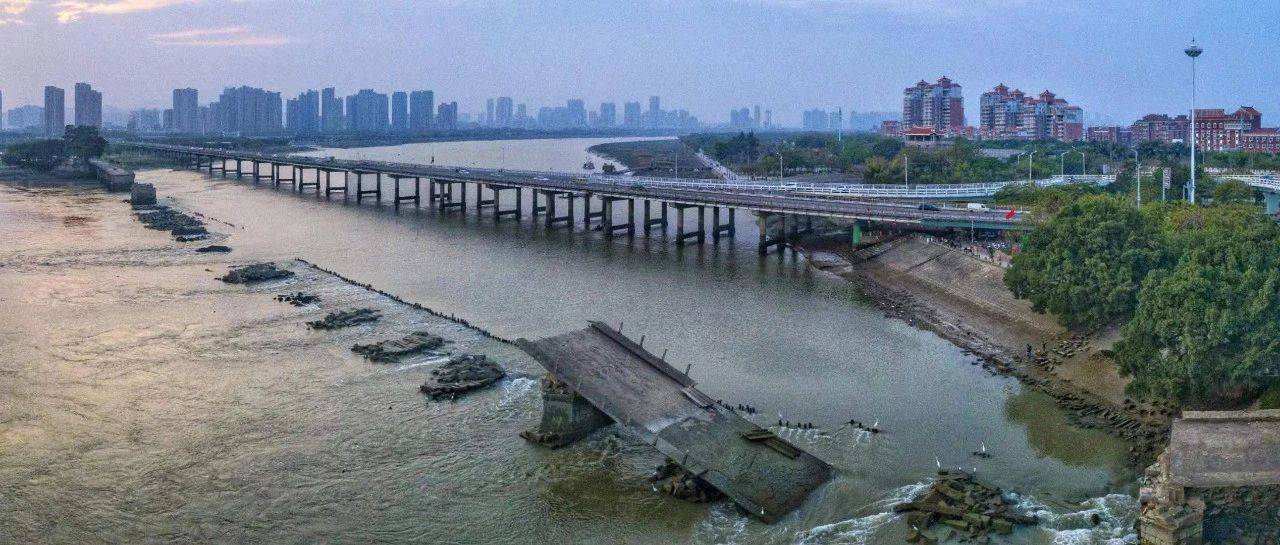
{"x": 661, "y": 158}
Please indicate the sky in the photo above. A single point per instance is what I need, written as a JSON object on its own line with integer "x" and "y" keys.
{"x": 1116, "y": 59}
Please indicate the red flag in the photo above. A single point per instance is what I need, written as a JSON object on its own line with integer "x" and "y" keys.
{"x": 1010, "y": 214}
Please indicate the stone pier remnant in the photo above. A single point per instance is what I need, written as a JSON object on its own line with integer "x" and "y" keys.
{"x": 1218, "y": 481}
{"x": 142, "y": 195}
{"x": 597, "y": 375}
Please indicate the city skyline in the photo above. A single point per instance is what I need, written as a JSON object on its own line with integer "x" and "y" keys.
{"x": 854, "y": 56}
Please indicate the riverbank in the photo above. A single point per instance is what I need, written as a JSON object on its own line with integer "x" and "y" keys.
{"x": 963, "y": 299}
{"x": 661, "y": 158}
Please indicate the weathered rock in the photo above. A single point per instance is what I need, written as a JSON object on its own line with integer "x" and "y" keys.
{"x": 257, "y": 272}
{"x": 168, "y": 219}
{"x": 683, "y": 485}
{"x": 961, "y": 503}
{"x": 461, "y": 374}
{"x": 298, "y": 299}
{"x": 215, "y": 248}
{"x": 346, "y": 318}
{"x": 391, "y": 351}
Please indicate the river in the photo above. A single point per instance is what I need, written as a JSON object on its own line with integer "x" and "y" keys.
{"x": 768, "y": 331}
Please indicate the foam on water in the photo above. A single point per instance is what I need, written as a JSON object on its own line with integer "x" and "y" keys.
{"x": 517, "y": 389}
{"x": 1116, "y": 516}
{"x": 858, "y": 531}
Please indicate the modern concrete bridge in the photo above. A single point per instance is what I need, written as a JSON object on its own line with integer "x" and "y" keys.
{"x": 784, "y": 212}
{"x": 1268, "y": 184}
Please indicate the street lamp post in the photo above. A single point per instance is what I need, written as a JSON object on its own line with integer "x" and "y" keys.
{"x": 1137, "y": 175}
{"x": 1083, "y": 169}
{"x": 1030, "y": 158}
{"x": 906, "y": 169}
{"x": 779, "y": 167}
{"x": 1193, "y": 51}
{"x": 1062, "y": 164}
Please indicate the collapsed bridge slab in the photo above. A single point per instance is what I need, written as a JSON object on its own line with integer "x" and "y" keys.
{"x": 625, "y": 383}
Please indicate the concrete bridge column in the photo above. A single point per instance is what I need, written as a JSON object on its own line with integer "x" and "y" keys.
{"x": 404, "y": 197}
{"x": 717, "y": 229}
{"x": 650, "y": 222}
{"x": 1272, "y": 201}
{"x": 764, "y": 219}
{"x": 587, "y": 214}
{"x": 699, "y": 234}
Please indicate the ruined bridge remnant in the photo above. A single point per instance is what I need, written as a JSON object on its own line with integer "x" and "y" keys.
{"x": 597, "y": 376}
{"x": 1218, "y": 465}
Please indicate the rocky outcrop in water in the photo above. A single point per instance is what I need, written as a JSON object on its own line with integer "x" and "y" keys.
{"x": 178, "y": 224}
{"x": 346, "y": 318}
{"x": 965, "y": 506}
{"x": 297, "y": 299}
{"x": 461, "y": 374}
{"x": 672, "y": 479}
{"x": 215, "y": 248}
{"x": 257, "y": 272}
{"x": 391, "y": 351}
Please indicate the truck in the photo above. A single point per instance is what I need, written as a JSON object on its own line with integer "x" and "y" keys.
{"x": 977, "y": 207}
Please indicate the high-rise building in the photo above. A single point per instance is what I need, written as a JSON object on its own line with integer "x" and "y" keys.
{"x": 654, "y": 117}
{"x": 368, "y": 111}
{"x": 816, "y": 119}
{"x": 331, "y": 117}
{"x": 421, "y": 110}
{"x": 400, "y": 111}
{"x": 186, "y": 111}
{"x": 27, "y": 118}
{"x": 1013, "y": 114}
{"x": 740, "y": 119}
{"x": 631, "y": 114}
{"x": 608, "y": 114}
{"x": 247, "y": 111}
{"x": 522, "y": 115}
{"x": 447, "y": 116}
{"x": 939, "y": 106}
{"x": 145, "y": 121}
{"x": 577, "y": 110}
{"x": 488, "y": 116}
{"x": 503, "y": 112}
{"x": 55, "y": 111}
{"x": 302, "y": 114}
{"x": 88, "y": 105}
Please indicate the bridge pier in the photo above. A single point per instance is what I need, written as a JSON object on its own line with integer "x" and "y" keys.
{"x": 717, "y": 229}
{"x": 566, "y": 416}
{"x": 445, "y": 195}
{"x": 765, "y": 240}
{"x": 608, "y": 226}
{"x": 650, "y": 222}
{"x": 361, "y": 191}
{"x": 1272, "y": 201}
{"x": 257, "y": 169}
{"x": 551, "y": 218}
{"x": 482, "y": 202}
{"x": 328, "y": 183}
{"x": 239, "y": 173}
{"x": 498, "y": 212}
{"x": 587, "y": 214}
{"x": 302, "y": 180}
{"x": 417, "y": 190}
{"x": 681, "y": 234}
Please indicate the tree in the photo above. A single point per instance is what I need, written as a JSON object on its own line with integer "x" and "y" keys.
{"x": 1086, "y": 264}
{"x": 41, "y": 155}
{"x": 1208, "y": 329}
{"x": 83, "y": 142}
{"x": 1233, "y": 192}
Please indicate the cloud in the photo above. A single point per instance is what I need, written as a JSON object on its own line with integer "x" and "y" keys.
{"x": 11, "y": 9}
{"x": 218, "y": 37}
{"x": 72, "y": 10}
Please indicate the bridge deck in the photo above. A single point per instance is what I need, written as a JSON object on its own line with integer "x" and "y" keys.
{"x": 757, "y": 470}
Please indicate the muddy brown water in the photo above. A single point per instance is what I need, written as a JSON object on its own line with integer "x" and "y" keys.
{"x": 136, "y": 405}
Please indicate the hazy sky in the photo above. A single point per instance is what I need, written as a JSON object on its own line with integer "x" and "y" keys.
{"x": 1117, "y": 60}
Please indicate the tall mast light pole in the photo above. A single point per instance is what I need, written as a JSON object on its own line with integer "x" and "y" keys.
{"x": 1193, "y": 51}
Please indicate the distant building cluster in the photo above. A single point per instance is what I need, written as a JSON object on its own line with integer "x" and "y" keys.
{"x": 818, "y": 119}
{"x": 749, "y": 119}
{"x": 938, "y": 106}
{"x": 1216, "y": 130}
{"x": 1012, "y": 114}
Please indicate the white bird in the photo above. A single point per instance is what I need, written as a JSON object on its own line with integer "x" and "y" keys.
{"x": 984, "y": 447}
{"x": 938, "y": 462}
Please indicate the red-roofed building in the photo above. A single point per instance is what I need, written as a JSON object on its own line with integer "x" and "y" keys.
{"x": 938, "y": 105}
{"x": 1217, "y": 130}
{"x": 1012, "y": 114}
